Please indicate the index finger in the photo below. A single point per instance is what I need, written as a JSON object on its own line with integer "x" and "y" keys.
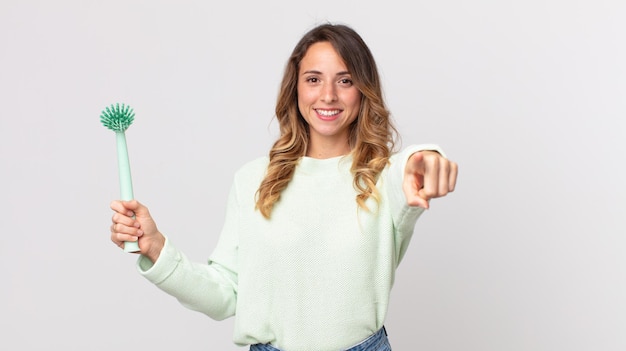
{"x": 118, "y": 206}
{"x": 431, "y": 178}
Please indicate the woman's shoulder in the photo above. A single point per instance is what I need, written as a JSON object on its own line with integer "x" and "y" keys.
{"x": 255, "y": 168}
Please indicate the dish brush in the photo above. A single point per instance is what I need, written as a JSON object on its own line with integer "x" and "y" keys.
{"x": 118, "y": 118}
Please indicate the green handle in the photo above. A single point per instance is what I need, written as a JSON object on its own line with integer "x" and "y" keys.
{"x": 126, "y": 182}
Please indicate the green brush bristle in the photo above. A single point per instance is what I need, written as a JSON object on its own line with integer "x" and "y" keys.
{"x": 117, "y": 117}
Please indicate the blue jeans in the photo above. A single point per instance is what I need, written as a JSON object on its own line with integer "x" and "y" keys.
{"x": 377, "y": 342}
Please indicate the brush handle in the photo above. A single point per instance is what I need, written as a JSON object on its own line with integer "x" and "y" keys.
{"x": 126, "y": 182}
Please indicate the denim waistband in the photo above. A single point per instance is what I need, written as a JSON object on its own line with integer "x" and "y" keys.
{"x": 372, "y": 343}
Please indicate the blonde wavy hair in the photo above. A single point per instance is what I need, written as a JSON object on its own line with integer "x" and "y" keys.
{"x": 372, "y": 134}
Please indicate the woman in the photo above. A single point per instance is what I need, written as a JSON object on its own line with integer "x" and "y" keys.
{"x": 314, "y": 232}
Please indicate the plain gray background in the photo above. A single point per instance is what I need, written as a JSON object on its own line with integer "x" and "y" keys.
{"x": 527, "y": 96}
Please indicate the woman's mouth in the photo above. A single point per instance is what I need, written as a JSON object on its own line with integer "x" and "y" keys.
{"x": 327, "y": 114}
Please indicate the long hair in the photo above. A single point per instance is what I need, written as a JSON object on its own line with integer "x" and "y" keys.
{"x": 372, "y": 135}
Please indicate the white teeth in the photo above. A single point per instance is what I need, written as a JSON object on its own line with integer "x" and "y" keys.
{"x": 328, "y": 113}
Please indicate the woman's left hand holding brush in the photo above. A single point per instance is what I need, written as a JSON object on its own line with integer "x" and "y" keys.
{"x": 141, "y": 228}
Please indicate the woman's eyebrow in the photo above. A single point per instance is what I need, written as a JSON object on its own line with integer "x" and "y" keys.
{"x": 312, "y": 71}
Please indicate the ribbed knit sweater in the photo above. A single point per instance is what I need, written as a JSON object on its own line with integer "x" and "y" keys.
{"x": 317, "y": 275}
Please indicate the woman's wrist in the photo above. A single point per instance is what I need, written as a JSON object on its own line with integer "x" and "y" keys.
{"x": 156, "y": 247}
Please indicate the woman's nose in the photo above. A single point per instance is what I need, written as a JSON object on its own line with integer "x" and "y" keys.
{"x": 329, "y": 93}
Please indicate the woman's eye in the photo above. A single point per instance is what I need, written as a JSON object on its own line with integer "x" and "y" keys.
{"x": 346, "y": 81}
{"x": 312, "y": 80}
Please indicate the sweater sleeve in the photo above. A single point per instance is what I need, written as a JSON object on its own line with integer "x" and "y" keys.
{"x": 209, "y": 288}
{"x": 404, "y": 216}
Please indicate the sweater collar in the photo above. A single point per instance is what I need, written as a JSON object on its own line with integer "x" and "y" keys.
{"x": 329, "y": 166}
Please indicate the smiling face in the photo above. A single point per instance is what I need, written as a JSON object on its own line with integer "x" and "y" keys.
{"x": 328, "y": 100}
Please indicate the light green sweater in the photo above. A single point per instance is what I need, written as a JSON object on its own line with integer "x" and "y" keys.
{"x": 317, "y": 275}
